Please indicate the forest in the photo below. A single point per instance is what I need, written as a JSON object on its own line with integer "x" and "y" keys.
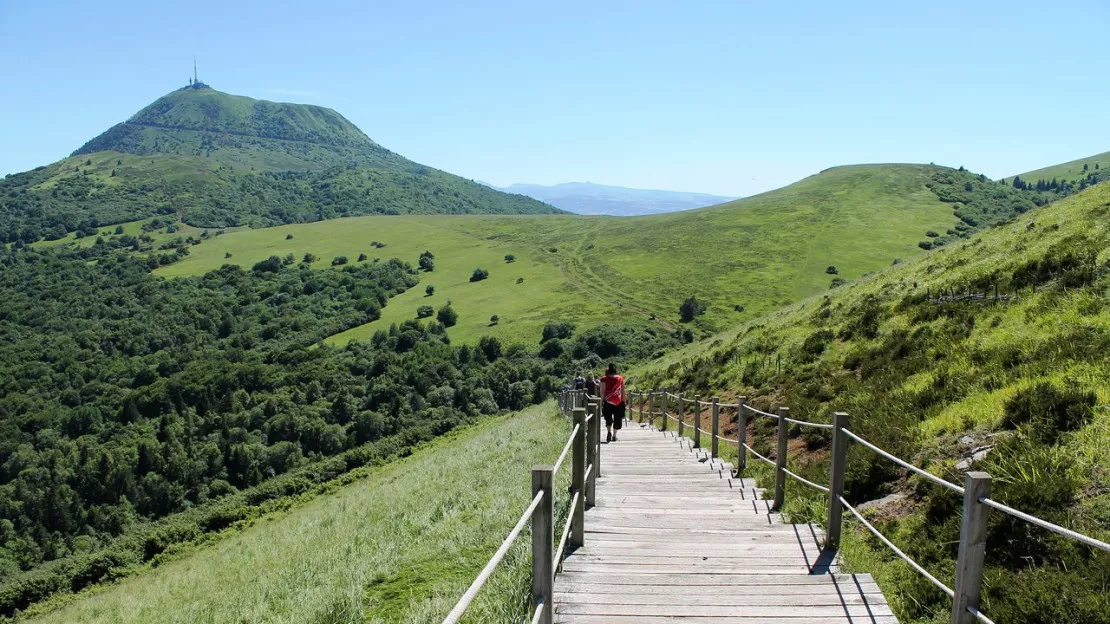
{"x": 136, "y": 411}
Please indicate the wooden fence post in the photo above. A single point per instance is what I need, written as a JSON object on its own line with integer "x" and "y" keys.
{"x": 973, "y": 548}
{"x": 666, "y": 399}
{"x": 597, "y": 439}
{"x": 741, "y": 435}
{"x": 716, "y": 426}
{"x": 591, "y": 453}
{"x": 836, "y": 480}
{"x": 651, "y": 406}
{"x": 780, "y": 461}
{"x": 578, "y": 481}
{"x": 697, "y": 421}
{"x": 543, "y": 542}
{"x": 681, "y": 414}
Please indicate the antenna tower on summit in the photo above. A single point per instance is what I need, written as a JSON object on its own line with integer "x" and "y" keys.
{"x": 195, "y": 79}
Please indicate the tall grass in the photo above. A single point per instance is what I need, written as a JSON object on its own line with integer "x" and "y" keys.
{"x": 400, "y": 546}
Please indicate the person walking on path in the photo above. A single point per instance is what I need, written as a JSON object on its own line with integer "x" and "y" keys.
{"x": 612, "y": 405}
{"x": 592, "y": 387}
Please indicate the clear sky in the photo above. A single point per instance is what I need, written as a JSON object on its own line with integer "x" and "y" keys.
{"x": 732, "y": 97}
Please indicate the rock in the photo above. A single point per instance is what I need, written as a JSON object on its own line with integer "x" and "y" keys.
{"x": 967, "y": 440}
{"x": 976, "y": 455}
{"x": 881, "y": 502}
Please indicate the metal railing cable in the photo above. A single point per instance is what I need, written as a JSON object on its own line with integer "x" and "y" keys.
{"x": 483, "y": 576}
{"x": 1044, "y": 524}
{"x": 566, "y": 449}
{"x": 979, "y": 616}
{"x": 807, "y": 481}
{"x": 574, "y": 501}
{"x": 898, "y": 551}
{"x": 538, "y": 615}
{"x": 908, "y": 466}
{"x": 760, "y": 412}
{"x": 757, "y": 455}
{"x": 806, "y": 423}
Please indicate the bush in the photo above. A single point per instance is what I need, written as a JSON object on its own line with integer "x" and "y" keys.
{"x": 479, "y": 275}
{"x": 691, "y": 309}
{"x": 362, "y": 257}
{"x": 557, "y": 330}
{"x": 837, "y": 282}
{"x": 1049, "y": 411}
{"x": 831, "y": 270}
{"x": 424, "y": 311}
{"x": 931, "y": 234}
{"x": 309, "y": 258}
{"x": 510, "y": 258}
{"x": 926, "y": 245}
{"x": 269, "y": 265}
{"x": 490, "y": 347}
{"x": 288, "y": 237}
{"x": 427, "y": 264}
{"x": 552, "y": 349}
{"x": 429, "y": 290}
{"x": 339, "y": 260}
{"x": 520, "y": 280}
{"x": 493, "y": 320}
{"x": 447, "y": 316}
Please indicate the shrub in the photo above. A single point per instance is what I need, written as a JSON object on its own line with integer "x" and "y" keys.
{"x": 288, "y": 237}
{"x": 429, "y": 290}
{"x": 424, "y": 311}
{"x": 1049, "y": 411}
{"x": 427, "y": 264}
{"x": 738, "y": 308}
{"x": 931, "y": 234}
{"x": 490, "y": 347}
{"x": 816, "y": 342}
{"x": 479, "y": 275}
{"x": 309, "y": 258}
{"x": 557, "y": 330}
{"x": 520, "y": 280}
{"x": 837, "y": 282}
{"x": 831, "y": 270}
{"x": 447, "y": 316}
{"x": 227, "y": 255}
{"x": 691, "y": 309}
{"x": 926, "y": 245}
{"x": 288, "y": 259}
{"x": 551, "y": 349}
{"x": 494, "y": 319}
{"x": 362, "y": 257}
{"x": 339, "y": 260}
{"x": 269, "y": 265}
{"x": 510, "y": 258}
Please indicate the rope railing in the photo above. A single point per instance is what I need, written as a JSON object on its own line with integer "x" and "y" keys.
{"x": 898, "y": 551}
{"x": 908, "y": 466}
{"x": 966, "y": 594}
{"x": 1044, "y": 524}
{"x": 483, "y": 576}
{"x": 583, "y": 448}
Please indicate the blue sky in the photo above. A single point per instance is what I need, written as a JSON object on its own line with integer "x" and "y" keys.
{"x": 730, "y": 97}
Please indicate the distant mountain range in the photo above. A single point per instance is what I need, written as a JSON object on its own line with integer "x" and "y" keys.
{"x": 587, "y": 198}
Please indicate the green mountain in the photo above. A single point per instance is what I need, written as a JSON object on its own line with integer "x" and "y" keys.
{"x": 989, "y": 352}
{"x": 215, "y": 160}
{"x": 1073, "y": 171}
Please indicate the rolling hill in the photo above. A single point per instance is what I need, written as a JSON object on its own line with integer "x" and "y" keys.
{"x": 997, "y": 342}
{"x": 215, "y": 160}
{"x": 586, "y": 198}
{"x": 1072, "y": 171}
{"x": 744, "y": 258}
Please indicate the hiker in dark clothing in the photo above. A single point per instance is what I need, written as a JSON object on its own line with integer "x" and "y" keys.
{"x": 592, "y": 386}
{"x": 612, "y": 404}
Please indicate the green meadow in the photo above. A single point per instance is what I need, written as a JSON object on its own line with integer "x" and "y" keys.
{"x": 1071, "y": 171}
{"x": 400, "y": 545}
{"x": 744, "y": 258}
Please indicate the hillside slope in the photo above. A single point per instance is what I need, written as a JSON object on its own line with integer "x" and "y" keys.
{"x": 586, "y": 198}
{"x": 757, "y": 253}
{"x": 1072, "y": 171}
{"x": 931, "y": 372}
{"x": 215, "y": 160}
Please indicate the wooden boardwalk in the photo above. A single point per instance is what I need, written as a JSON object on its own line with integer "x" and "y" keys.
{"x": 673, "y": 537}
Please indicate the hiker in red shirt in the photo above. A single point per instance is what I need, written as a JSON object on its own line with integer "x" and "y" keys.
{"x": 612, "y": 405}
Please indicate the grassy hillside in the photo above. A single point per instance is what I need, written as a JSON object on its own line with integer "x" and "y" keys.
{"x": 1072, "y": 171}
{"x": 931, "y": 380}
{"x": 214, "y": 160}
{"x": 400, "y": 544}
{"x": 743, "y": 259}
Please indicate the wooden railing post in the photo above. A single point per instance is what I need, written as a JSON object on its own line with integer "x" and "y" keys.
{"x": 591, "y": 452}
{"x": 578, "y": 481}
{"x": 780, "y": 461}
{"x": 665, "y": 401}
{"x": 716, "y": 426}
{"x": 973, "y": 548}
{"x": 741, "y": 435}
{"x": 697, "y": 421}
{"x": 681, "y": 414}
{"x": 543, "y": 543}
{"x": 598, "y": 404}
{"x": 836, "y": 480}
